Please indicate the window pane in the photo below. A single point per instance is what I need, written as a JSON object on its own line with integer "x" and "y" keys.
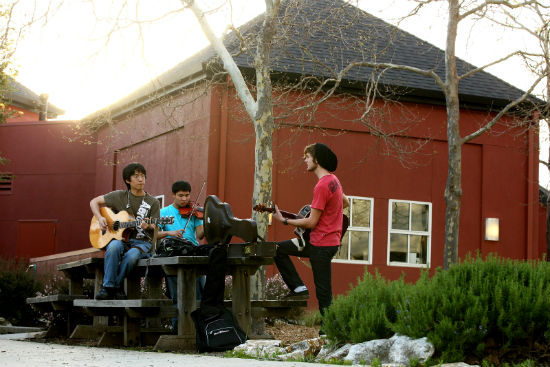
{"x": 346, "y": 211}
{"x": 419, "y": 250}
{"x": 398, "y": 247}
{"x": 400, "y": 216}
{"x": 419, "y": 220}
{"x": 360, "y": 245}
{"x": 342, "y": 253}
{"x": 361, "y": 213}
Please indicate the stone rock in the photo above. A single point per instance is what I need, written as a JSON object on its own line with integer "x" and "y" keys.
{"x": 4, "y": 322}
{"x": 306, "y": 349}
{"x": 333, "y": 352}
{"x": 261, "y": 348}
{"x": 399, "y": 350}
{"x": 368, "y": 351}
{"x": 405, "y": 349}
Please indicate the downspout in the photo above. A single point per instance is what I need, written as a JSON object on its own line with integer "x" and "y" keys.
{"x": 223, "y": 142}
{"x": 115, "y": 164}
{"x": 533, "y": 192}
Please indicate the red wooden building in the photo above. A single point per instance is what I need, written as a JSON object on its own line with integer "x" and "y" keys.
{"x": 184, "y": 126}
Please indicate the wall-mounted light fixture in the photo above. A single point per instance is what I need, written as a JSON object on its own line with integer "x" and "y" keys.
{"x": 491, "y": 229}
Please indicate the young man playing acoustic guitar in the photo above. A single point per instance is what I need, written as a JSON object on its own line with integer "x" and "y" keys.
{"x": 325, "y": 223}
{"x": 122, "y": 256}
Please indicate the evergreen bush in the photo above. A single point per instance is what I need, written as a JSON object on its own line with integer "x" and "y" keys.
{"x": 366, "y": 311}
{"x": 16, "y": 284}
{"x": 475, "y": 305}
{"x": 498, "y": 301}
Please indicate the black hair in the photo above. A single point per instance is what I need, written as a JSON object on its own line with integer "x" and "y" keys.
{"x": 323, "y": 156}
{"x": 130, "y": 169}
{"x": 181, "y": 186}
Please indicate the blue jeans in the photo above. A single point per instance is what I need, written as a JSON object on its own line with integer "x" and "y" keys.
{"x": 119, "y": 262}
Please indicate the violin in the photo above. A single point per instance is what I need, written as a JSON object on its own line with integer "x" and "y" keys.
{"x": 186, "y": 211}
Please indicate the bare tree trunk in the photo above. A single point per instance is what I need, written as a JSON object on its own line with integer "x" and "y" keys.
{"x": 453, "y": 188}
{"x": 264, "y": 126}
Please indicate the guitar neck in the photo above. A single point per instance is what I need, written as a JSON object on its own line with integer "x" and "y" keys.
{"x": 289, "y": 215}
{"x": 134, "y": 223}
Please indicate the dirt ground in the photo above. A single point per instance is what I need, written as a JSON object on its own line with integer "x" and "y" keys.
{"x": 289, "y": 333}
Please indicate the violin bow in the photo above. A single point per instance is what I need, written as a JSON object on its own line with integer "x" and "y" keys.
{"x": 195, "y": 204}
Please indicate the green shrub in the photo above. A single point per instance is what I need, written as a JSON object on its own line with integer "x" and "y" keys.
{"x": 460, "y": 309}
{"x": 16, "y": 285}
{"x": 475, "y": 303}
{"x": 366, "y": 311}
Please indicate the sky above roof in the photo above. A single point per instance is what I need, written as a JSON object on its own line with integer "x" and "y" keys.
{"x": 70, "y": 59}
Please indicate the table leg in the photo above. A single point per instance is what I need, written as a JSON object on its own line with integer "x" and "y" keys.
{"x": 241, "y": 298}
{"x": 187, "y": 302}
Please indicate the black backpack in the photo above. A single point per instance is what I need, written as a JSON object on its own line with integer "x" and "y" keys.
{"x": 216, "y": 328}
{"x": 216, "y": 331}
{"x": 175, "y": 246}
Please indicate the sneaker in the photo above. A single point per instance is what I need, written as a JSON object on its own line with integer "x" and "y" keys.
{"x": 104, "y": 293}
{"x": 119, "y": 294}
{"x": 297, "y": 296}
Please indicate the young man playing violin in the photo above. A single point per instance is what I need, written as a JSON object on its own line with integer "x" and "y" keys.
{"x": 325, "y": 223}
{"x": 121, "y": 257}
{"x": 181, "y": 209}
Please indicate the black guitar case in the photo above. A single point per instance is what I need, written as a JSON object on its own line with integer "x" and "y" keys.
{"x": 220, "y": 224}
{"x": 216, "y": 327}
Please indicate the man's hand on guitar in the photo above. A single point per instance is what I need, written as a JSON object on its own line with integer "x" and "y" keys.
{"x": 103, "y": 223}
{"x": 277, "y": 214}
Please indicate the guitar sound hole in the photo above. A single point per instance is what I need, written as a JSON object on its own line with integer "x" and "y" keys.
{"x": 116, "y": 225}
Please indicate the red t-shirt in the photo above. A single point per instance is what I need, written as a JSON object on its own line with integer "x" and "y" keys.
{"x": 327, "y": 197}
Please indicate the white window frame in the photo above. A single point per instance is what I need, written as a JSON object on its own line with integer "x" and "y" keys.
{"x": 160, "y": 198}
{"x": 409, "y": 232}
{"x": 359, "y": 229}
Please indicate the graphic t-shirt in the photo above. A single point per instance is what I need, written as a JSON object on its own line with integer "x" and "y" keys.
{"x": 179, "y": 223}
{"x": 137, "y": 206}
{"x": 327, "y": 197}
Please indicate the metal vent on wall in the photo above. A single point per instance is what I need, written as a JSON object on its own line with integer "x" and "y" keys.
{"x": 6, "y": 180}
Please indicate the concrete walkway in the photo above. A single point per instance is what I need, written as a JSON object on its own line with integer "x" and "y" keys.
{"x": 24, "y": 353}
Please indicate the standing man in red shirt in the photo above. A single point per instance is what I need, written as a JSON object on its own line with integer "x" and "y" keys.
{"x": 325, "y": 223}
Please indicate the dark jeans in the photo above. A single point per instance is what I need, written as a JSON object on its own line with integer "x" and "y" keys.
{"x": 320, "y": 258}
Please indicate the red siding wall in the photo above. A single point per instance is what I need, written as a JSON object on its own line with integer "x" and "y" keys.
{"x": 24, "y": 116}
{"x": 171, "y": 143}
{"x": 208, "y": 137}
{"x": 496, "y": 182}
{"x": 53, "y": 183}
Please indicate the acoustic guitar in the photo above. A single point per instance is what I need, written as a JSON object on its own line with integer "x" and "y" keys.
{"x": 119, "y": 226}
{"x": 303, "y": 213}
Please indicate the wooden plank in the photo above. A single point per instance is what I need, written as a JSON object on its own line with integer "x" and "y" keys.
{"x": 176, "y": 343}
{"x": 131, "y": 331}
{"x": 110, "y": 339}
{"x": 54, "y": 302}
{"x": 93, "y": 332}
{"x": 186, "y": 300}
{"x": 272, "y": 303}
{"x": 82, "y": 264}
{"x": 123, "y": 303}
{"x": 241, "y": 298}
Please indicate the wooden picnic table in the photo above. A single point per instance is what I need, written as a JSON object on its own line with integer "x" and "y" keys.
{"x": 187, "y": 268}
{"x": 142, "y": 312}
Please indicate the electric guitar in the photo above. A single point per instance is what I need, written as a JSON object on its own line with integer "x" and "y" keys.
{"x": 303, "y": 213}
{"x": 119, "y": 226}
